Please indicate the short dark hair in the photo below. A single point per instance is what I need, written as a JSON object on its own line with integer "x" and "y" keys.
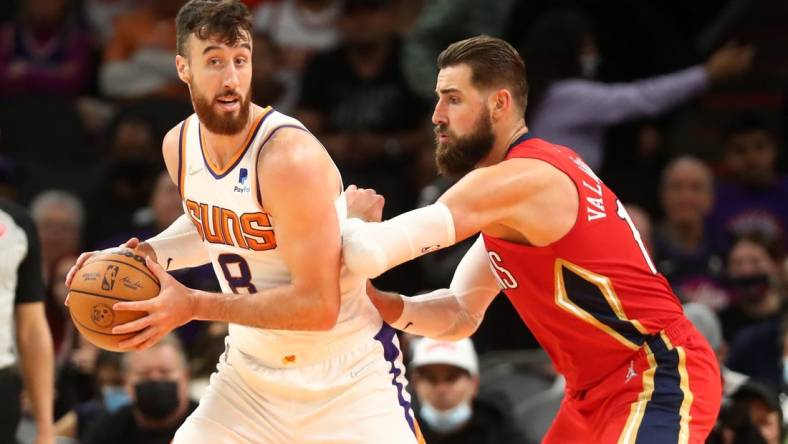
{"x": 226, "y": 19}
{"x": 493, "y": 63}
{"x": 771, "y": 246}
{"x": 744, "y": 123}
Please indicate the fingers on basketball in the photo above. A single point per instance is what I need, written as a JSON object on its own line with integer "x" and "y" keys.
{"x": 103, "y": 280}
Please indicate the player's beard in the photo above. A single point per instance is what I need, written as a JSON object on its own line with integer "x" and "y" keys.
{"x": 459, "y": 155}
{"x": 219, "y": 122}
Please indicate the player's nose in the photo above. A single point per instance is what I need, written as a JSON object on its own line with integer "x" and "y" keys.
{"x": 231, "y": 79}
{"x": 439, "y": 117}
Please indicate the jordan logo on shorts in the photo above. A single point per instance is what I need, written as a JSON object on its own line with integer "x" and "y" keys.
{"x": 631, "y": 373}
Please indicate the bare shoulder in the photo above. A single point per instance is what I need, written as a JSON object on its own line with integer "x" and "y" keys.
{"x": 502, "y": 199}
{"x": 295, "y": 157}
{"x": 513, "y": 179}
{"x": 293, "y": 149}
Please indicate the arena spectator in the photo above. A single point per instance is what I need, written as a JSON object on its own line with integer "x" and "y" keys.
{"x": 446, "y": 381}
{"x": 568, "y": 107}
{"x": 753, "y": 283}
{"x": 157, "y": 381}
{"x": 139, "y": 58}
{"x": 301, "y": 28}
{"x": 101, "y": 15}
{"x": 130, "y": 167}
{"x": 754, "y": 197}
{"x": 271, "y": 84}
{"x": 59, "y": 216}
{"x": 45, "y": 51}
{"x": 708, "y": 324}
{"x": 753, "y": 417}
{"x": 356, "y": 100}
{"x": 683, "y": 249}
{"x": 111, "y": 396}
{"x": 442, "y": 22}
{"x": 757, "y": 351}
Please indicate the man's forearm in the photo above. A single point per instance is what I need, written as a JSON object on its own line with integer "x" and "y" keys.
{"x": 37, "y": 363}
{"x": 439, "y": 314}
{"x": 370, "y": 249}
{"x": 451, "y": 313}
{"x": 178, "y": 246}
{"x": 279, "y": 308}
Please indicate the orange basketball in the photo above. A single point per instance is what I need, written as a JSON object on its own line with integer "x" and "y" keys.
{"x": 106, "y": 278}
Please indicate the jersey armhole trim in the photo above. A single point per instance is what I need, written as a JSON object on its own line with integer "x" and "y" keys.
{"x": 182, "y": 158}
{"x": 258, "y": 194}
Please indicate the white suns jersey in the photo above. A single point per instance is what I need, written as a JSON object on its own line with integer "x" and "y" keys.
{"x": 224, "y": 205}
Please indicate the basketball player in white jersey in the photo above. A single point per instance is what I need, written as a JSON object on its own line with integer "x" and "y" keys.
{"x": 308, "y": 358}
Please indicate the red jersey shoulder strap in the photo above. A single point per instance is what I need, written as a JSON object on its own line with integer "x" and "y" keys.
{"x": 561, "y": 157}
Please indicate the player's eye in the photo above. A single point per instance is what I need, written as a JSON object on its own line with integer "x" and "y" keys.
{"x": 240, "y": 61}
{"x": 214, "y": 62}
{"x": 454, "y": 100}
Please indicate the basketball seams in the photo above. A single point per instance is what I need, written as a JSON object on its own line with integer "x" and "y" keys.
{"x": 93, "y": 330}
{"x": 103, "y": 296}
{"x": 103, "y": 281}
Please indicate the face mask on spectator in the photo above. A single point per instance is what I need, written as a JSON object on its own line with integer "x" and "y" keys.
{"x": 448, "y": 420}
{"x": 749, "y": 289}
{"x": 156, "y": 399}
{"x": 114, "y": 397}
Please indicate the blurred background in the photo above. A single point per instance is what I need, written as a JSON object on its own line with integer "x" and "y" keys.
{"x": 680, "y": 107}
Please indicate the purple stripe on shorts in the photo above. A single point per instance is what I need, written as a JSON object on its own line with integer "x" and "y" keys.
{"x": 390, "y": 351}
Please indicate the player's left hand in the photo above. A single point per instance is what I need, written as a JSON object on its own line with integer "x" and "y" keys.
{"x": 169, "y": 310}
{"x": 364, "y": 204}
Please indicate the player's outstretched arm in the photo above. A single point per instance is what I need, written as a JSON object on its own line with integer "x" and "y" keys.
{"x": 451, "y": 313}
{"x": 483, "y": 197}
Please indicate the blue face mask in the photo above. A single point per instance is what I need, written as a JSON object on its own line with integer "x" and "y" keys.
{"x": 446, "y": 421}
{"x": 114, "y": 397}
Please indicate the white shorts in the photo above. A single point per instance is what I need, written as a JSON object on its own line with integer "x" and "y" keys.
{"x": 357, "y": 397}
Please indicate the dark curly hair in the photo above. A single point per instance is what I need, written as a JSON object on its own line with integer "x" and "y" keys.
{"x": 228, "y": 20}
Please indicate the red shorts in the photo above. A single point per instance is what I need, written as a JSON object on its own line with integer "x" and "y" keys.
{"x": 669, "y": 393}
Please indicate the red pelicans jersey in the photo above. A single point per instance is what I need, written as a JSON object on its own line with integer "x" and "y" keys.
{"x": 593, "y": 297}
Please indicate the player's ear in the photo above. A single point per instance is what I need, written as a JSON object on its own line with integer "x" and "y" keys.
{"x": 184, "y": 72}
{"x": 500, "y": 102}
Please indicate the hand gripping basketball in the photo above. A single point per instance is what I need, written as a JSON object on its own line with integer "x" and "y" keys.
{"x": 117, "y": 274}
{"x": 173, "y": 307}
{"x": 134, "y": 244}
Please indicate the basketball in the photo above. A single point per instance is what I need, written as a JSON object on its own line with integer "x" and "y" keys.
{"x": 106, "y": 278}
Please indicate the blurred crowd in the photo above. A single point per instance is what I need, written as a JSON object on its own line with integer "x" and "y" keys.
{"x": 679, "y": 106}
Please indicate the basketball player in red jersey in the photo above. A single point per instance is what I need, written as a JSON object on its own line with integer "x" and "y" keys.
{"x": 563, "y": 249}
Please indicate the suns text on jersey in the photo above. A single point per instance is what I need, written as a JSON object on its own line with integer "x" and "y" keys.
{"x": 217, "y": 225}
